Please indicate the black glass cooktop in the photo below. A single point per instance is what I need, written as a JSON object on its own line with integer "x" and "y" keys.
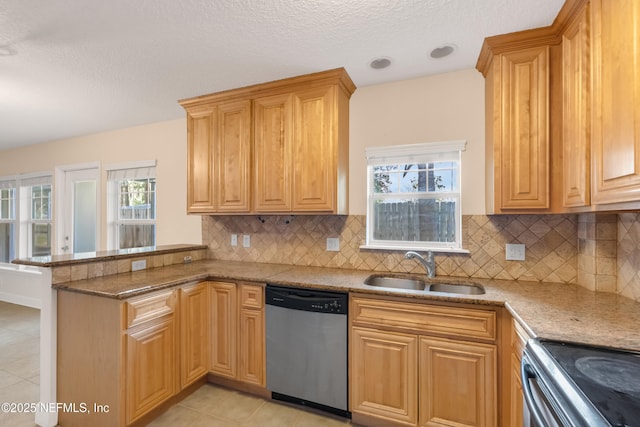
{"x": 609, "y": 378}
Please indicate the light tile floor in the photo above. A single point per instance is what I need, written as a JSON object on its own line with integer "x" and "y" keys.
{"x": 210, "y": 405}
{"x": 19, "y": 361}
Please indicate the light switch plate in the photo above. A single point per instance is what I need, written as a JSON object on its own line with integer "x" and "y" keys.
{"x": 515, "y": 252}
{"x": 138, "y": 265}
{"x": 246, "y": 240}
{"x": 234, "y": 240}
{"x": 333, "y": 244}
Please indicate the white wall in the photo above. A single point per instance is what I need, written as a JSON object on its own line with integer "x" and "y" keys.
{"x": 434, "y": 108}
{"x": 428, "y": 109}
{"x": 163, "y": 141}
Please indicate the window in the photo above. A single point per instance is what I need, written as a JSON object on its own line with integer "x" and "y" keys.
{"x": 132, "y": 211}
{"x": 7, "y": 220}
{"x": 414, "y": 197}
{"x": 39, "y": 223}
{"x": 25, "y": 216}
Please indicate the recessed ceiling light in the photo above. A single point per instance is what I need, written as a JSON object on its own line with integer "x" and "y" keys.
{"x": 380, "y": 63}
{"x": 442, "y": 51}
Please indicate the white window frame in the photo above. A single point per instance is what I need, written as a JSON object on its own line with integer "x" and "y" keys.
{"x": 115, "y": 173}
{"x": 11, "y": 184}
{"x": 22, "y": 214}
{"x": 415, "y": 153}
{"x": 29, "y": 221}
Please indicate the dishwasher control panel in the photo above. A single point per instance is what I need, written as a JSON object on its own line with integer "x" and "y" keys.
{"x": 307, "y": 299}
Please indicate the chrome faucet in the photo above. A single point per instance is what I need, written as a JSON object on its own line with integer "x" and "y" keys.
{"x": 429, "y": 263}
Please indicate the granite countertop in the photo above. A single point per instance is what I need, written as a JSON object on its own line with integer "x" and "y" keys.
{"x": 546, "y": 310}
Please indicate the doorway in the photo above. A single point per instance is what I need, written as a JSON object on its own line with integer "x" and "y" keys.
{"x": 77, "y": 201}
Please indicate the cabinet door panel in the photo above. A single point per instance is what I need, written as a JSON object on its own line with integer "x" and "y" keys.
{"x": 233, "y": 154}
{"x": 576, "y": 124}
{"x": 151, "y": 367}
{"x": 194, "y": 333}
{"x": 457, "y": 383}
{"x": 200, "y": 150}
{"x": 522, "y": 156}
{"x": 616, "y": 101}
{"x": 252, "y": 349}
{"x": 223, "y": 328}
{"x": 314, "y": 163}
{"x": 272, "y": 142}
{"x": 385, "y": 374}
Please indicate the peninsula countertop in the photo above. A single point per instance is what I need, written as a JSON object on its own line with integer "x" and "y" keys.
{"x": 547, "y": 310}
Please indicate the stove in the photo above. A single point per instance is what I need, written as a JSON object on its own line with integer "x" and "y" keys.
{"x": 572, "y": 384}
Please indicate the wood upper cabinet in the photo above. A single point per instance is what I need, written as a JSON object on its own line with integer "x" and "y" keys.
{"x": 615, "y": 135}
{"x": 576, "y": 131}
{"x": 521, "y": 133}
{"x": 315, "y": 157}
{"x": 201, "y": 125}
{"x": 273, "y": 133}
{"x": 233, "y": 157}
{"x": 278, "y": 147}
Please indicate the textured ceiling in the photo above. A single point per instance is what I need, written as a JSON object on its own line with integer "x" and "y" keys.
{"x": 74, "y": 67}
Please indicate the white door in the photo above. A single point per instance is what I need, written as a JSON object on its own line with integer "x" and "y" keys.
{"x": 78, "y": 210}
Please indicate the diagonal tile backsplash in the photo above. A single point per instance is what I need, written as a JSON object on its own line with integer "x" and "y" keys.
{"x": 551, "y": 242}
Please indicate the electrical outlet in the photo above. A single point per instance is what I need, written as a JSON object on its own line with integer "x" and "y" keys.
{"x": 333, "y": 244}
{"x": 246, "y": 240}
{"x": 515, "y": 252}
{"x": 138, "y": 265}
{"x": 234, "y": 240}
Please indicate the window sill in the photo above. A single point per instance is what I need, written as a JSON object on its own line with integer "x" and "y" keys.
{"x": 413, "y": 248}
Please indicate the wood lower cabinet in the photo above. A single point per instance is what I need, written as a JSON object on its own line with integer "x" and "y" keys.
{"x": 416, "y": 364}
{"x": 150, "y": 367}
{"x": 224, "y": 321}
{"x": 384, "y": 374}
{"x": 129, "y": 356}
{"x": 457, "y": 383}
{"x": 238, "y": 332}
{"x": 519, "y": 339}
{"x": 194, "y": 333}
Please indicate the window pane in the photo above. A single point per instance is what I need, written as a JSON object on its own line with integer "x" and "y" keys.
{"x": 7, "y": 204}
{"x": 136, "y": 235}
{"x": 40, "y": 239}
{"x": 7, "y": 250}
{"x": 137, "y": 199}
{"x": 41, "y": 202}
{"x": 415, "y": 220}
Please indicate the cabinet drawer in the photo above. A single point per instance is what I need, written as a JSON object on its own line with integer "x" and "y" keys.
{"x": 148, "y": 307}
{"x": 252, "y": 296}
{"x": 423, "y": 318}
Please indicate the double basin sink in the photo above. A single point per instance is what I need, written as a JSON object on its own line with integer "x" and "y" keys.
{"x": 413, "y": 283}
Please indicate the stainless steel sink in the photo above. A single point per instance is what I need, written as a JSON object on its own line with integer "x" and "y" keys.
{"x": 396, "y": 282}
{"x": 401, "y": 282}
{"x": 457, "y": 288}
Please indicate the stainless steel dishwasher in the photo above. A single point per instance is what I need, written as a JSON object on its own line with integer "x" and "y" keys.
{"x": 307, "y": 347}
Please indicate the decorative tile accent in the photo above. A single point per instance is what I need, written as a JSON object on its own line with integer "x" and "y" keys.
{"x": 628, "y": 256}
{"x": 551, "y": 242}
{"x": 92, "y": 269}
{"x": 597, "y": 251}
